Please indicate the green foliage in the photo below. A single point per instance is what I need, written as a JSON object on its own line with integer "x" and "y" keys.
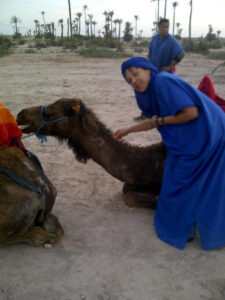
{"x": 198, "y": 46}
{"x": 128, "y": 32}
{"x": 71, "y": 44}
{"x": 17, "y": 36}
{"x": 178, "y": 37}
{"x": 220, "y": 55}
{"x": 29, "y": 51}
{"x": 211, "y": 37}
{"x": 144, "y": 43}
{"x": 49, "y": 35}
{"x": 5, "y": 44}
{"x": 39, "y": 44}
{"x": 103, "y": 42}
{"x": 102, "y": 53}
{"x": 4, "y": 51}
{"x": 22, "y": 42}
{"x": 215, "y": 44}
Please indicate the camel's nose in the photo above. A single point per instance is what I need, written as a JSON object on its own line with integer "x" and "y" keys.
{"x": 20, "y": 117}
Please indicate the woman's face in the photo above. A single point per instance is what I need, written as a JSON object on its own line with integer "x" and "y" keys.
{"x": 138, "y": 78}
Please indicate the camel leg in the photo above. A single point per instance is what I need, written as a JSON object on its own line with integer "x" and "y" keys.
{"x": 52, "y": 226}
{"x": 135, "y": 197}
{"x": 36, "y": 236}
{"x": 139, "y": 199}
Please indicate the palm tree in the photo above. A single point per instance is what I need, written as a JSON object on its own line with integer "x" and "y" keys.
{"x": 85, "y": 18}
{"x": 94, "y": 23}
{"x": 165, "y": 9}
{"x": 178, "y": 26}
{"x": 107, "y": 21}
{"x": 79, "y": 16}
{"x": 90, "y": 22}
{"x": 174, "y": 9}
{"x": 87, "y": 26}
{"x": 155, "y": 28}
{"x": 15, "y": 20}
{"x": 136, "y": 18}
{"x": 43, "y": 15}
{"x": 36, "y": 22}
{"x": 53, "y": 28}
{"x": 110, "y": 14}
{"x": 70, "y": 18}
{"x": 157, "y": 9}
{"x": 115, "y": 23}
{"x": 60, "y": 22}
{"x": 218, "y": 34}
{"x": 190, "y": 17}
{"x": 120, "y": 21}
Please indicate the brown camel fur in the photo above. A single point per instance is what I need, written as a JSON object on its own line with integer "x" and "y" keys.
{"x": 25, "y": 215}
{"x": 140, "y": 168}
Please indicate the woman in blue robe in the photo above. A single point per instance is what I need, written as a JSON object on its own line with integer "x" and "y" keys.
{"x": 192, "y": 127}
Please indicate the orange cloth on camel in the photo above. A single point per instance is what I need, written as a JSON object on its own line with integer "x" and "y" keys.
{"x": 206, "y": 86}
{"x": 9, "y": 129}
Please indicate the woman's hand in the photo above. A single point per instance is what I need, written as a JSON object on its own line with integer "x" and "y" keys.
{"x": 152, "y": 121}
{"x": 120, "y": 133}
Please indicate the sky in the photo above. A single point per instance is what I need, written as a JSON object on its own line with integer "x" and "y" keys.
{"x": 205, "y": 12}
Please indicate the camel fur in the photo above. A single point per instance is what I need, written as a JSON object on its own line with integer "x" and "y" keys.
{"x": 25, "y": 216}
{"x": 140, "y": 168}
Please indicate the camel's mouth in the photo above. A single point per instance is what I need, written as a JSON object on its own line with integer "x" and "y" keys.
{"x": 25, "y": 125}
{"x": 27, "y": 128}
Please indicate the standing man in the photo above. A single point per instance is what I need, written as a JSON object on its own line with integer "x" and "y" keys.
{"x": 164, "y": 52}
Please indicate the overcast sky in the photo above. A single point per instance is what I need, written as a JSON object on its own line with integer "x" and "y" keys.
{"x": 205, "y": 12}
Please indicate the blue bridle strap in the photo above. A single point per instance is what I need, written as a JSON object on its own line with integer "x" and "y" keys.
{"x": 42, "y": 137}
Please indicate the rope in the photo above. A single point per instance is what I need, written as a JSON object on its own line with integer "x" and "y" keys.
{"x": 42, "y": 137}
{"x": 20, "y": 181}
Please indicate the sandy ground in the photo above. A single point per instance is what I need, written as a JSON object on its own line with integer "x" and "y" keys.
{"x": 109, "y": 251}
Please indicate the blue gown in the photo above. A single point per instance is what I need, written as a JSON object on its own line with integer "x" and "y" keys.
{"x": 193, "y": 189}
{"x": 163, "y": 52}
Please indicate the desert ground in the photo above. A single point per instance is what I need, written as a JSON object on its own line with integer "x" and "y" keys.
{"x": 109, "y": 251}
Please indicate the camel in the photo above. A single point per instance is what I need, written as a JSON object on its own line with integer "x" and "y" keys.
{"x": 139, "y": 168}
{"x": 25, "y": 206}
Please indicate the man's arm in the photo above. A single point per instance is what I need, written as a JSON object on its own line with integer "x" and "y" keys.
{"x": 174, "y": 62}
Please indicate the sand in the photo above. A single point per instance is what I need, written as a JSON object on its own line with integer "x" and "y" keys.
{"x": 109, "y": 251}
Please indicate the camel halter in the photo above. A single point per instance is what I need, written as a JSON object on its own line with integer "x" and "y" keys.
{"x": 42, "y": 137}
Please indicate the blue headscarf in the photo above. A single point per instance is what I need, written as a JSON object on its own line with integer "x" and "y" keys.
{"x": 143, "y": 99}
{"x": 138, "y": 62}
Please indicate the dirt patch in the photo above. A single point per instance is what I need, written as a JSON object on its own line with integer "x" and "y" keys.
{"x": 109, "y": 251}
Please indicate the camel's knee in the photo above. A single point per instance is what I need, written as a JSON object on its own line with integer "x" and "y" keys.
{"x": 140, "y": 199}
{"x": 52, "y": 225}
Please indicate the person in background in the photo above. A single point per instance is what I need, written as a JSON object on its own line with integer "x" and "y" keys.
{"x": 192, "y": 127}
{"x": 165, "y": 52}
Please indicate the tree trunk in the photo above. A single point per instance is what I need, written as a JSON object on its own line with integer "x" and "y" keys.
{"x": 173, "y": 19}
{"x": 70, "y": 18}
{"x": 165, "y": 9}
{"x": 190, "y": 17}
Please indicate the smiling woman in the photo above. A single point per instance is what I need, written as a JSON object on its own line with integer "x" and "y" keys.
{"x": 192, "y": 127}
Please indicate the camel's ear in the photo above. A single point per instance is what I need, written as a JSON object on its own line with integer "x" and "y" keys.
{"x": 72, "y": 110}
{"x": 90, "y": 123}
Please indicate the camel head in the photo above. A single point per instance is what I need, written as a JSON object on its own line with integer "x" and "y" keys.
{"x": 71, "y": 110}
{"x": 67, "y": 118}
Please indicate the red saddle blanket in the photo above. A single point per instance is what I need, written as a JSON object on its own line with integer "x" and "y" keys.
{"x": 206, "y": 86}
{"x": 9, "y": 129}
